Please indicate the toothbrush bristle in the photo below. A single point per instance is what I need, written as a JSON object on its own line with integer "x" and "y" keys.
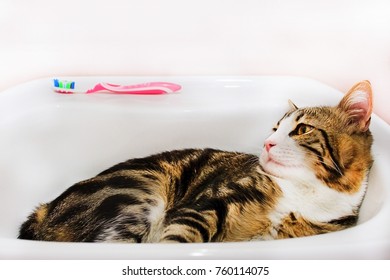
{"x": 63, "y": 86}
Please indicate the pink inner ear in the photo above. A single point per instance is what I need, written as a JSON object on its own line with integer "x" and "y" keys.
{"x": 361, "y": 113}
{"x": 360, "y": 108}
{"x": 358, "y": 104}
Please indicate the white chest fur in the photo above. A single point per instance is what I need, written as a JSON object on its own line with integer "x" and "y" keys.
{"x": 315, "y": 202}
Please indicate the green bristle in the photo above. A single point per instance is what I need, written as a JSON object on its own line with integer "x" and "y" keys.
{"x": 64, "y": 84}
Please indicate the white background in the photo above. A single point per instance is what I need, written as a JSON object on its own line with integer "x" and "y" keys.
{"x": 338, "y": 42}
{"x": 108, "y": 269}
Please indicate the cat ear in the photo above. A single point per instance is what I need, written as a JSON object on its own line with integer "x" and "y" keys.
{"x": 293, "y": 107}
{"x": 357, "y": 103}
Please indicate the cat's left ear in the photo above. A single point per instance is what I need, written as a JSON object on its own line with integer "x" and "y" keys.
{"x": 357, "y": 103}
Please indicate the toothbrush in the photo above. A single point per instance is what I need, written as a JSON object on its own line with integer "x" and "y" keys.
{"x": 69, "y": 87}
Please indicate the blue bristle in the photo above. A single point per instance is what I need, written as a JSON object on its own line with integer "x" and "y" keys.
{"x": 62, "y": 84}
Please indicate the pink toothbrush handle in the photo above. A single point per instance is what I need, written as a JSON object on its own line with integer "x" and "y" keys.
{"x": 146, "y": 88}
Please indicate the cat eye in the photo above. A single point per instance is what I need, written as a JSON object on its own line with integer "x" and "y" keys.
{"x": 275, "y": 128}
{"x": 302, "y": 129}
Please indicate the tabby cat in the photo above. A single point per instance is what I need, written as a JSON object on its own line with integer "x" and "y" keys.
{"x": 310, "y": 178}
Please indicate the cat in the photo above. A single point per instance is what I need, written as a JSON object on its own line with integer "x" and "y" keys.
{"x": 310, "y": 178}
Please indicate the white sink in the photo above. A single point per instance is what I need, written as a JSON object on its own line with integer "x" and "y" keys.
{"x": 49, "y": 141}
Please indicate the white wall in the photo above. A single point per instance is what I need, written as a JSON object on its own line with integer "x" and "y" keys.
{"x": 338, "y": 42}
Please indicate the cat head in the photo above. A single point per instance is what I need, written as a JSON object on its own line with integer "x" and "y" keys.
{"x": 329, "y": 144}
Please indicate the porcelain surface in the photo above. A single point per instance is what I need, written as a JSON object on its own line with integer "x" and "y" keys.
{"x": 48, "y": 141}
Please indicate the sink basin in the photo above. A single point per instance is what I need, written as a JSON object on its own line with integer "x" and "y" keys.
{"x": 49, "y": 141}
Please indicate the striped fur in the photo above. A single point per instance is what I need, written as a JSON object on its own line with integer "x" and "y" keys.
{"x": 310, "y": 178}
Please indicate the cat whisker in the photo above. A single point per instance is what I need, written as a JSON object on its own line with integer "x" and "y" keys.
{"x": 336, "y": 168}
{"x": 322, "y": 161}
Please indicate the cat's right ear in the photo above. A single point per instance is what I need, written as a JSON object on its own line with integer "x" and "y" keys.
{"x": 293, "y": 107}
{"x": 357, "y": 103}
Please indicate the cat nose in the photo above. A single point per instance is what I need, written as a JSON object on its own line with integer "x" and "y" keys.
{"x": 268, "y": 144}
